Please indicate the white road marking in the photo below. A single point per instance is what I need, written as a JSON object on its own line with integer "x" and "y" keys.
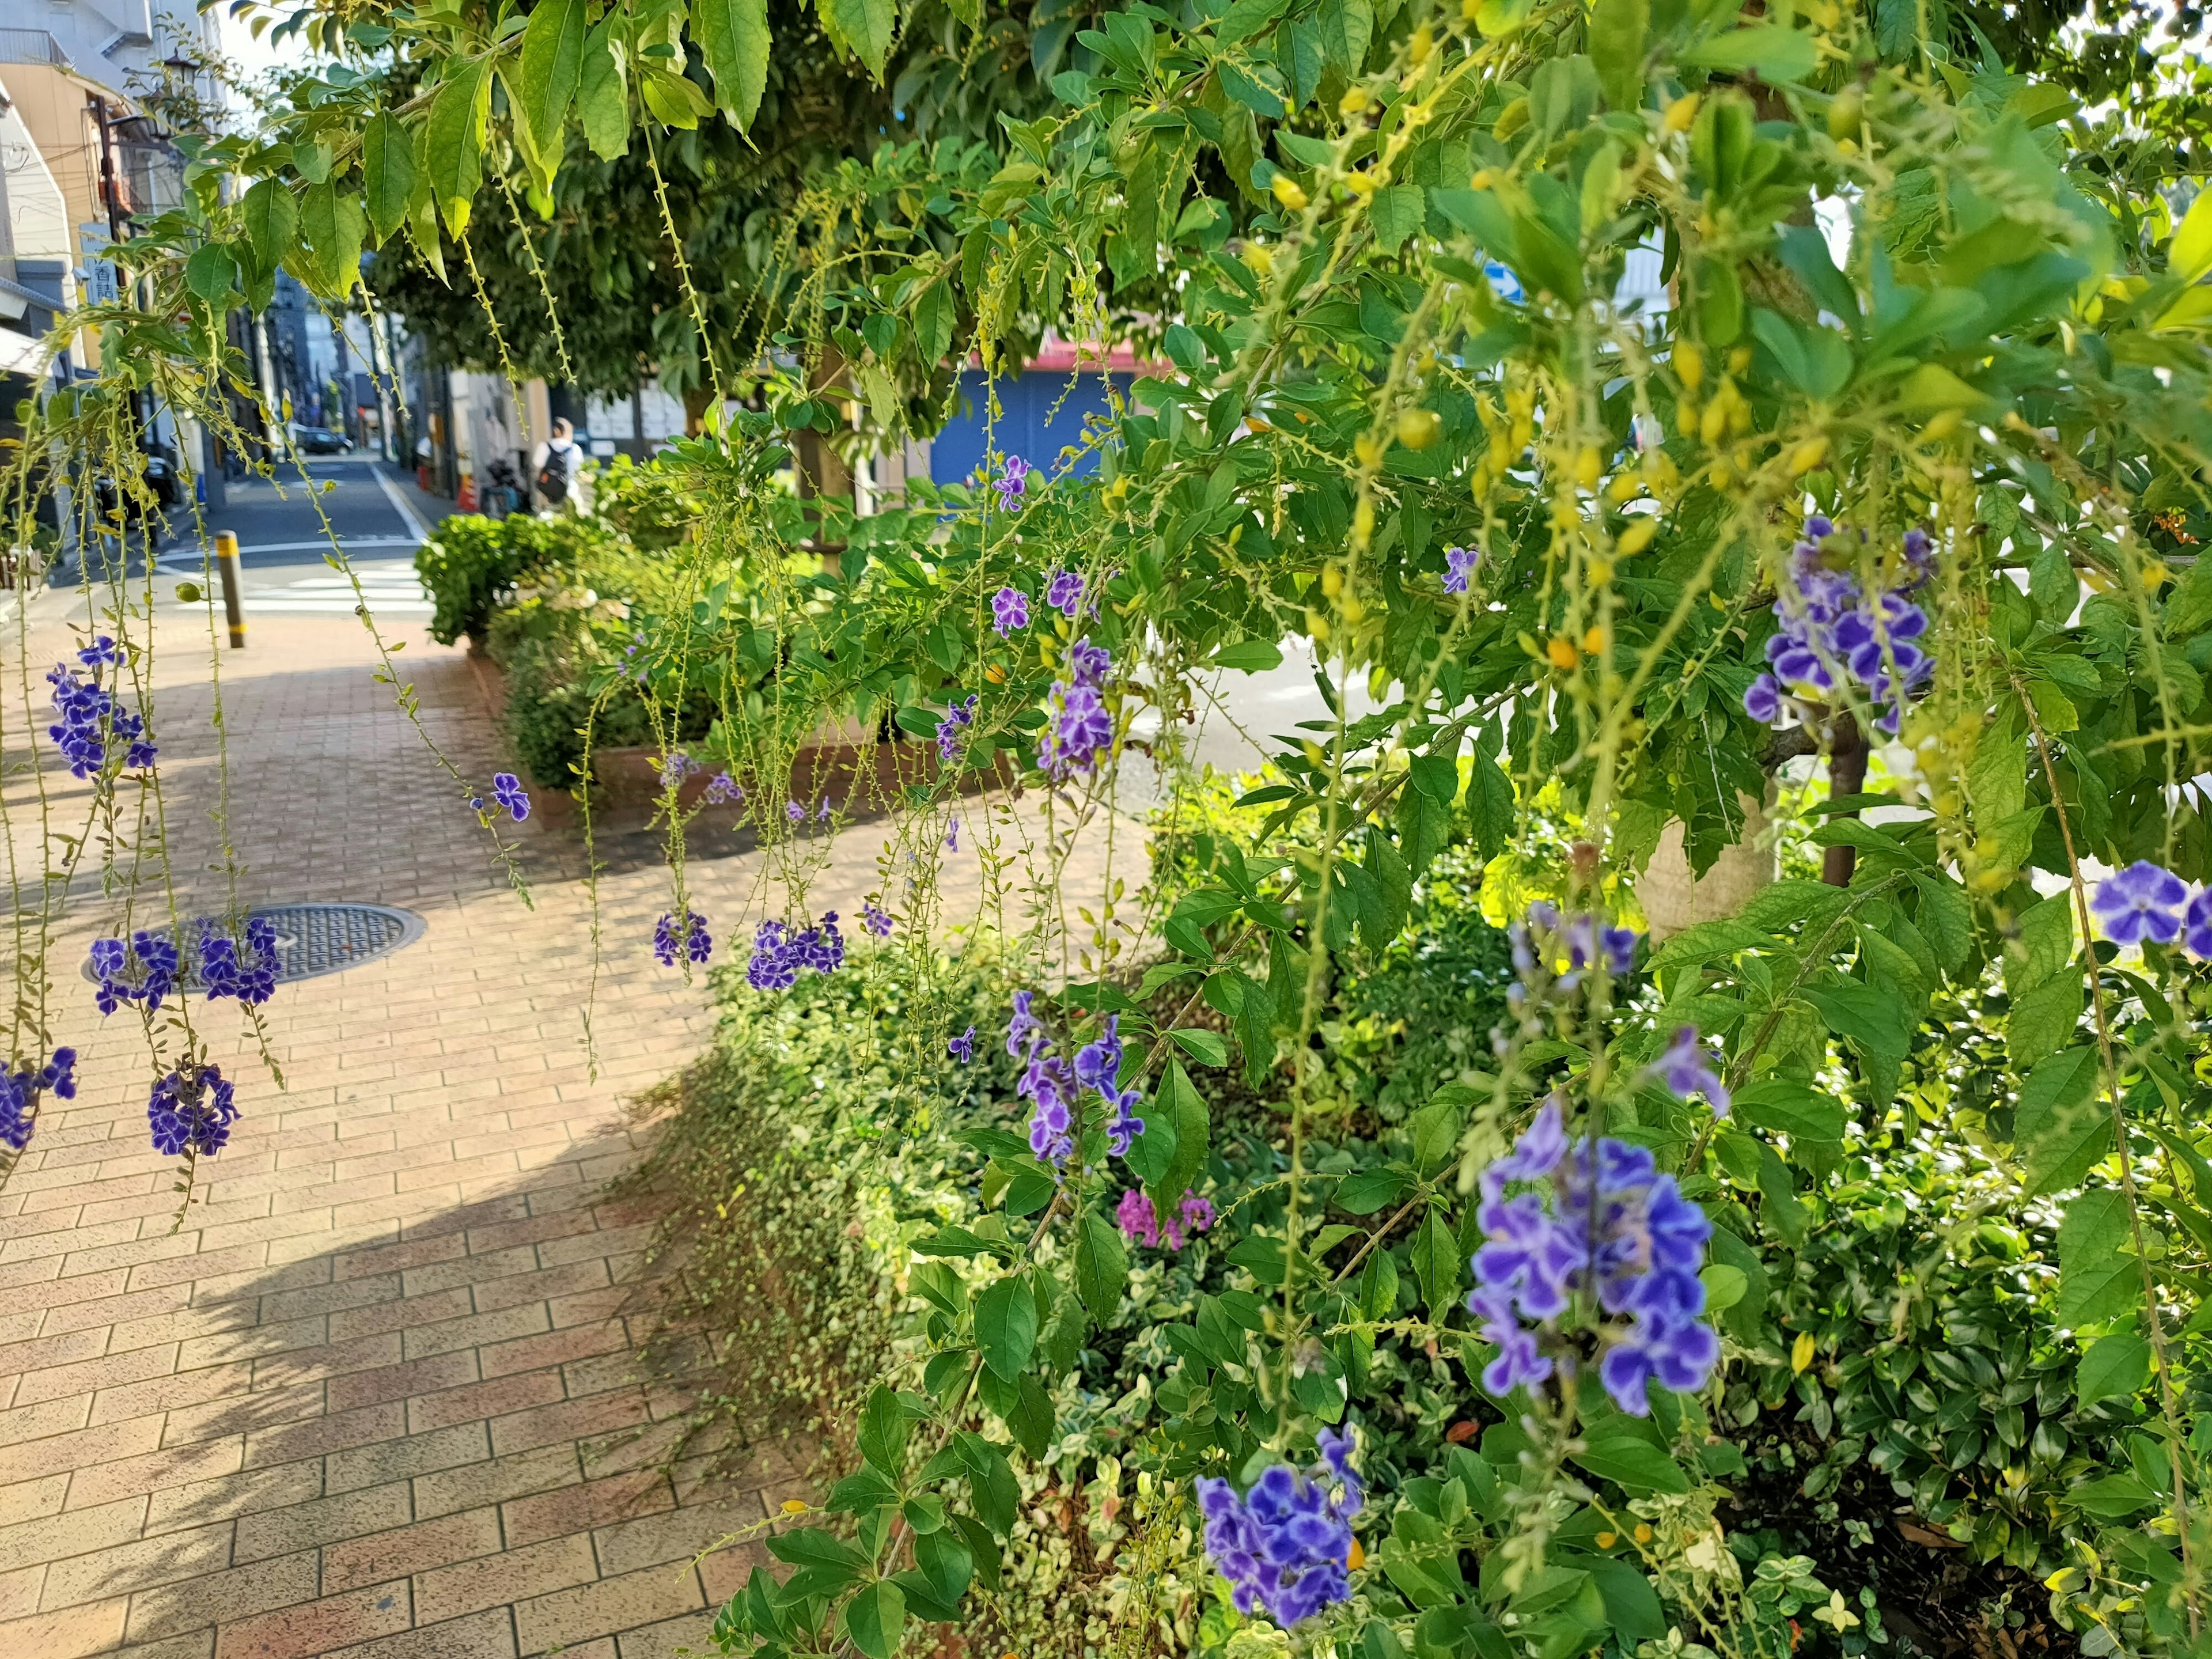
{"x": 406, "y": 507}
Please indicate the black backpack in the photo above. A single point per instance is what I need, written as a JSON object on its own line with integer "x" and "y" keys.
{"x": 553, "y": 476}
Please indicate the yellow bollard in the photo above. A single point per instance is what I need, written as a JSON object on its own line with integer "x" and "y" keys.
{"x": 226, "y": 564}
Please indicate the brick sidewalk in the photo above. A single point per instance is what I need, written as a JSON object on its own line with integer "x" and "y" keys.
{"x": 377, "y": 1398}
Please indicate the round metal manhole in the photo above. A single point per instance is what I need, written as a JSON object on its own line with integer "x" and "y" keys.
{"x": 314, "y": 939}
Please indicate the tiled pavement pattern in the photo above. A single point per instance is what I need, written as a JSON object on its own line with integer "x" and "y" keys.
{"x": 376, "y": 1398}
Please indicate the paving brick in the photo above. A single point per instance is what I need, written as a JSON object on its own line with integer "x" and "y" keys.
{"x": 668, "y": 1639}
{"x": 483, "y": 1400}
{"x": 68, "y": 1633}
{"x": 321, "y": 1521}
{"x": 672, "y": 1535}
{"x": 80, "y": 1532}
{"x": 606, "y": 1606}
{"x": 215, "y": 1598}
{"x": 120, "y": 1568}
{"x": 158, "y": 1471}
{"x": 32, "y": 1500}
{"x": 571, "y": 1420}
{"x": 88, "y": 1375}
{"x": 61, "y": 1452}
{"x": 416, "y": 1548}
{"x": 590, "y": 1504}
{"x": 407, "y": 1456}
{"x": 245, "y": 1493}
{"x": 479, "y": 1635}
{"x": 496, "y": 1580}
{"x": 497, "y": 1480}
{"x": 21, "y": 1423}
{"x": 317, "y": 1627}
{"x": 554, "y": 1348}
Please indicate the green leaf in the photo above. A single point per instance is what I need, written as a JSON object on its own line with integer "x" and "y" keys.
{"x": 1006, "y": 1326}
{"x": 2098, "y": 1279}
{"x": 1206, "y": 1047}
{"x": 1249, "y": 656}
{"x": 2042, "y": 1021}
{"x": 387, "y": 174}
{"x": 550, "y": 69}
{"x": 2114, "y": 1496}
{"x": 1246, "y": 18}
{"x": 862, "y": 28}
{"x": 1397, "y": 211}
{"x": 1791, "y": 1109}
{"x": 1632, "y": 1606}
{"x": 1776, "y": 52}
{"x": 272, "y": 222}
{"x": 2113, "y": 1365}
{"x": 1102, "y": 1267}
{"x": 1617, "y": 30}
{"x": 875, "y": 1618}
{"x": 210, "y": 272}
{"x": 453, "y": 143}
{"x": 1627, "y": 1459}
{"x": 886, "y": 1425}
{"x": 2059, "y": 1127}
{"x": 946, "y": 1560}
{"x": 332, "y": 225}
{"x": 2042, "y": 946}
{"x": 1194, "y": 1129}
{"x": 1365, "y": 1192}
{"x": 1436, "y": 1264}
{"x": 602, "y": 103}
{"x": 733, "y": 40}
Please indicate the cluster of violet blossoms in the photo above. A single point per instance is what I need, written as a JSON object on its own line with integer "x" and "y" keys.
{"x": 2148, "y": 901}
{"x": 1834, "y": 630}
{"x": 1620, "y": 1229}
{"x": 688, "y": 940}
{"x": 1538, "y": 941}
{"x": 223, "y": 973}
{"x": 90, "y": 717}
{"x": 1081, "y": 727}
{"x": 192, "y": 1110}
{"x": 1459, "y": 566}
{"x": 1052, "y": 1086}
{"x": 1013, "y": 483}
{"x": 21, "y": 1090}
{"x": 957, "y": 719}
{"x": 143, "y": 969}
{"x": 1141, "y": 1224}
{"x": 1286, "y": 1545}
{"x": 781, "y": 955}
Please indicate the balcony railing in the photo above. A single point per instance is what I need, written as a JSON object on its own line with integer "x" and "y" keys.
{"x": 32, "y": 46}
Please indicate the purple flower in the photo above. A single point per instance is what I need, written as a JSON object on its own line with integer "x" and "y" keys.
{"x": 772, "y": 967}
{"x": 963, "y": 1047}
{"x": 1686, "y": 1068}
{"x": 1010, "y": 610}
{"x": 794, "y": 812}
{"x": 143, "y": 970}
{"x": 875, "y": 921}
{"x": 1048, "y": 1086}
{"x": 92, "y": 720}
{"x": 508, "y": 790}
{"x": 1023, "y": 1028}
{"x": 952, "y": 836}
{"x": 1081, "y": 728}
{"x": 722, "y": 789}
{"x": 1088, "y": 663}
{"x": 191, "y": 1110}
{"x": 822, "y": 813}
{"x": 2196, "y": 924}
{"x": 1285, "y": 1546}
{"x": 1141, "y": 1224}
{"x": 688, "y": 939}
{"x": 21, "y": 1088}
{"x": 224, "y": 973}
{"x": 1013, "y": 483}
{"x": 1830, "y": 630}
{"x": 1587, "y": 941}
{"x": 2140, "y": 901}
{"x": 1603, "y": 1220}
{"x": 675, "y": 767}
{"x": 1065, "y": 593}
{"x": 1459, "y": 566}
{"x": 1762, "y": 702}
{"x": 957, "y": 717}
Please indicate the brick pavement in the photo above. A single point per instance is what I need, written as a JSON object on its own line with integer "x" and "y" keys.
{"x": 376, "y": 1398}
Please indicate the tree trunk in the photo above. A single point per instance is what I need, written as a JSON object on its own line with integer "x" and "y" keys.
{"x": 1847, "y": 768}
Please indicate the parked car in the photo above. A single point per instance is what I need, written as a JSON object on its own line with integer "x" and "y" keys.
{"x": 321, "y": 440}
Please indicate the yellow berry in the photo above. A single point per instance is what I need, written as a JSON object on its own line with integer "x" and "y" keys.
{"x": 1594, "y": 641}
{"x": 1418, "y": 429}
{"x": 1561, "y": 652}
{"x": 1806, "y": 456}
{"x": 1354, "y": 101}
{"x": 1689, "y": 365}
{"x": 1290, "y": 192}
{"x": 1588, "y": 466}
{"x": 1739, "y": 359}
{"x": 1636, "y": 535}
{"x": 1332, "y": 580}
{"x": 1681, "y": 112}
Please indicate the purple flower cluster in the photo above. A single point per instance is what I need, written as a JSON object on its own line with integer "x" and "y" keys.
{"x": 2148, "y": 901}
{"x": 192, "y": 1110}
{"x": 90, "y": 717}
{"x": 1046, "y": 1083}
{"x": 224, "y": 973}
{"x": 21, "y": 1088}
{"x": 780, "y": 955}
{"x": 1538, "y": 942}
{"x": 1834, "y": 630}
{"x": 959, "y": 717}
{"x": 1459, "y": 566}
{"x": 722, "y": 790}
{"x": 507, "y": 789}
{"x": 144, "y": 969}
{"x": 1687, "y": 1068}
{"x": 1141, "y": 1224}
{"x": 1010, "y": 610}
{"x": 1064, "y": 593}
{"x": 1012, "y": 483}
{"x": 1622, "y": 1230}
{"x": 1286, "y": 1545}
{"x": 1098, "y": 1066}
{"x": 1081, "y": 727}
{"x": 963, "y": 1047}
{"x": 688, "y": 939}
{"x": 875, "y": 921}
{"x": 675, "y": 767}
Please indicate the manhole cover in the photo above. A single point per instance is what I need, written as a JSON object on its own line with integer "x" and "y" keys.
{"x": 322, "y": 939}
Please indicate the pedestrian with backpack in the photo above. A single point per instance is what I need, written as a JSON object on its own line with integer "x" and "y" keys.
{"x": 556, "y": 471}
